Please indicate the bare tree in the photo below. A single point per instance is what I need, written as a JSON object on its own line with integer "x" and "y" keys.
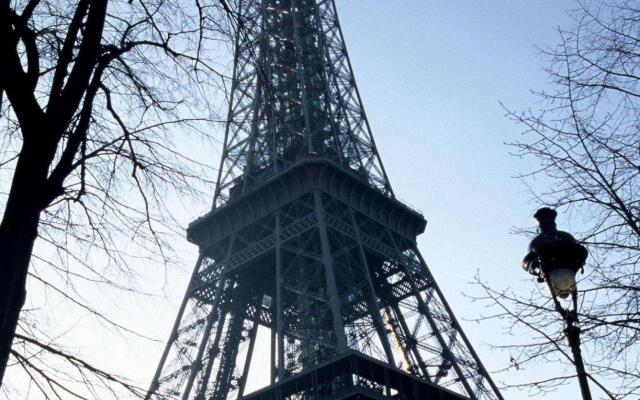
{"x": 97, "y": 98}
{"x": 586, "y": 139}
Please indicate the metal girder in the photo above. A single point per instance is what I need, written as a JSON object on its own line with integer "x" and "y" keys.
{"x": 293, "y": 96}
{"x": 334, "y": 279}
{"x": 306, "y": 240}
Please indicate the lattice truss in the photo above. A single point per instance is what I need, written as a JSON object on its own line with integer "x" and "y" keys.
{"x": 293, "y": 96}
{"x": 322, "y": 279}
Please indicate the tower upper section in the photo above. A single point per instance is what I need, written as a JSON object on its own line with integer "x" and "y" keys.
{"x": 293, "y": 97}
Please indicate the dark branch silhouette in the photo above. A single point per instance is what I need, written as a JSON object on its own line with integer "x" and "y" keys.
{"x": 97, "y": 101}
{"x": 586, "y": 140}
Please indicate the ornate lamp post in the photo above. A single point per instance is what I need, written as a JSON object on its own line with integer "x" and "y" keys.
{"x": 555, "y": 257}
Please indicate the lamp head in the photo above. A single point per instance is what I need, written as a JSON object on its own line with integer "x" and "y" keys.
{"x": 554, "y": 256}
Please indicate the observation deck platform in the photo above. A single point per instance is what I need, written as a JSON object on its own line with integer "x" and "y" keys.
{"x": 354, "y": 376}
{"x": 295, "y": 181}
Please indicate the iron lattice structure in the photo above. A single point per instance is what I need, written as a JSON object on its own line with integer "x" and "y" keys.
{"x": 307, "y": 243}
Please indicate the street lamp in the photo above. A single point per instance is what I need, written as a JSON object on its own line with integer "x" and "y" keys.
{"x": 554, "y": 258}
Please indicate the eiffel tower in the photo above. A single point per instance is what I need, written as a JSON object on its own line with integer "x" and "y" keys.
{"x": 309, "y": 279}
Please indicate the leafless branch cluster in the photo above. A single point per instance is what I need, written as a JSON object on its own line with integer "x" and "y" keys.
{"x": 102, "y": 103}
{"x": 586, "y": 139}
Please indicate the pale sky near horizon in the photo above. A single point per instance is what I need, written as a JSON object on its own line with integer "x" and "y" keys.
{"x": 432, "y": 75}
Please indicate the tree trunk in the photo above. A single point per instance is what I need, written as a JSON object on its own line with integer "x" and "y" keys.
{"x": 18, "y": 232}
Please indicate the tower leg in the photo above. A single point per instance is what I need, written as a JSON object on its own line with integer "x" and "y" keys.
{"x": 277, "y": 359}
{"x": 334, "y": 304}
{"x": 235, "y": 333}
{"x": 196, "y": 366}
{"x": 247, "y": 363}
{"x": 173, "y": 336}
{"x": 374, "y": 306}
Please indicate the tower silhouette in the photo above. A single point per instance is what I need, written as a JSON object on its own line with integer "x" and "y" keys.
{"x": 309, "y": 278}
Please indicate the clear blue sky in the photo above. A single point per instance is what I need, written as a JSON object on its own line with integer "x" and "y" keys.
{"x": 431, "y": 75}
